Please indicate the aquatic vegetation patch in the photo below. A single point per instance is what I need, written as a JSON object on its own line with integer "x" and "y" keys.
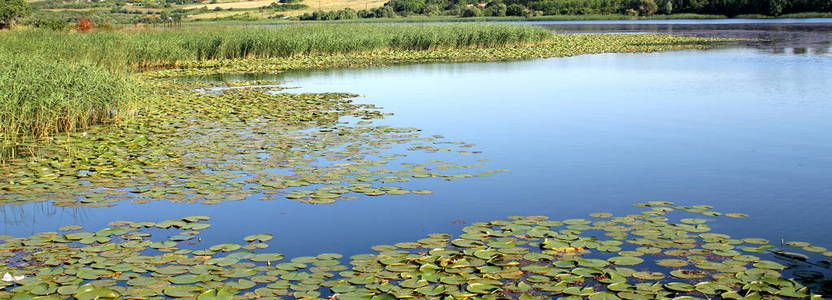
{"x": 662, "y": 252}
{"x": 558, "y": 45}
{"x": 236, "y": 144}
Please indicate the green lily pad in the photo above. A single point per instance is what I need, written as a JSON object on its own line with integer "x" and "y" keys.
{"x": 603, "y": 296}
{"x": 688, "y": 274}
{"x": 264, "y": 237}
{"x": 625, "y": 260}
{"x": 673, "y": 263}
{"x": 89, "y": 292}
{"x": 182, "y": 291}
{"x": 649, "y": 275}
{"x": 481, "y": 288}
{"x": 227, "y": 247}
{"x": 218, "y": 294}
{"x": 680, "y": 286}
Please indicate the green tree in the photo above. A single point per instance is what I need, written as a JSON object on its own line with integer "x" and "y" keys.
{"x": 499, "y": 10}
{"x": 13, "y": 10}
{"x": 385, "y": 12}
{"x": 515, "y": 10}
{"x": 667, "y": 8}
{"x": 694, "y": 5}
{"x": 775, "y": 7}
{"x": 165, "y": 17}
{"x": 51, "y": 23}
{"x": 646, "y": 7}
{"x": 432, "y": 10}
{"x": 471, "y": 12}
{"x": 347, "y": 14}
{"x": 406, "y": 5}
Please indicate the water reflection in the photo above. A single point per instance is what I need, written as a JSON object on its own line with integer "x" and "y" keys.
{"x": 29, "y": 217}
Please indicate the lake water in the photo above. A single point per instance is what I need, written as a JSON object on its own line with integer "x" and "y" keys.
{"x": 797, "y": 36}
{"x": 745, "y": 128}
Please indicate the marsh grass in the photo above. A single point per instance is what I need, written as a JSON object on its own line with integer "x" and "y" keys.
{"x": 164, "y": 48}
{"x": 40, "y": 97}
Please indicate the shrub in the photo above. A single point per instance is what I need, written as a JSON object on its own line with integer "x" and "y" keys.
{"x": 775, "y": 7}
{"x": 471, "y": 12}
{"x": 499, "y": 10}
{"x": 48, "y": 23}
{"x": 667, "y": 8}
{"x": 12, "y": 11}
{"x": 515, "y": 10}
{"x": 647, "y": 7}
{"x": 432, "y": 10}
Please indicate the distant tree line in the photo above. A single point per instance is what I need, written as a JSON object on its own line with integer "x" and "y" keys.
{"x": 498, "y": 8}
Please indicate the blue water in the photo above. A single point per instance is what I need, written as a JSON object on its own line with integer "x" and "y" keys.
{"x": 741, "y": 129}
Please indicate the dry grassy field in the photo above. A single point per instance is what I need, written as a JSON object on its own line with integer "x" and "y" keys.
{"x": 314, "y": 5}
{"x": 237, "y": 7}
{"x": 336, "y": 5}
{"x": 239, "y": 4}
{"x": 222, "y": 14}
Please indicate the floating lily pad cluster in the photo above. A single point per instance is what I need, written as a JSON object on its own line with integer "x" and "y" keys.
{"x": 651, "y": 255}
{"x": 231, "y": 145}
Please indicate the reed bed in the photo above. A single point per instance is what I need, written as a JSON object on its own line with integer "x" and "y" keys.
{"x": 143, "y": 49}
{"x": 40, "y": 96}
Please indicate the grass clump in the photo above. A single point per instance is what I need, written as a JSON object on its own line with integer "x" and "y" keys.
{"x": 40, "y": 97}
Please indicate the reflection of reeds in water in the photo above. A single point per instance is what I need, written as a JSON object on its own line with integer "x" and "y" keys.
{"x": 30, "y": 215}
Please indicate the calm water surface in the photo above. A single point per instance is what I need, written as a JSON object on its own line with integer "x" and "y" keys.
{"x": 779, "y": 36}
{"x": 744, "y": 129}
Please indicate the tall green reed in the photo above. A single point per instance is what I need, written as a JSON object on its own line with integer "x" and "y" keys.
{"x": 138, "y": 49}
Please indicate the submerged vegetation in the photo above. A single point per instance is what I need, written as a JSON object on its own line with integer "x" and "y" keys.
{"x": 660, "y": 253}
